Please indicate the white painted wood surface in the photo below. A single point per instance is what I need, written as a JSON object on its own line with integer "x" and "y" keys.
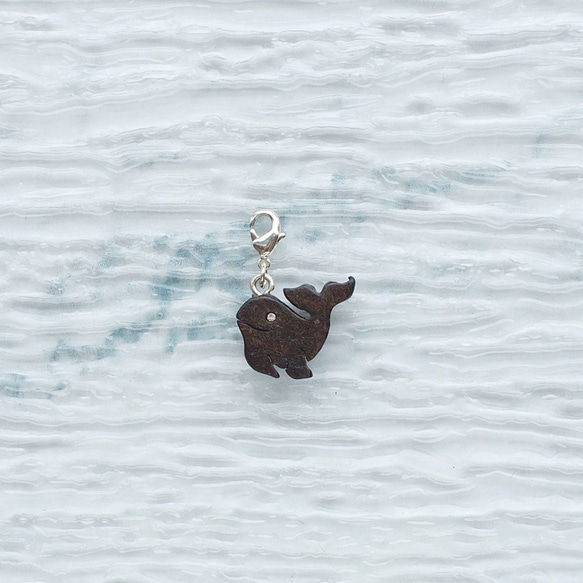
{"x": 432, "y": 149}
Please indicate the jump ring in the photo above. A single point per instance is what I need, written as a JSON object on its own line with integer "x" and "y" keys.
{"x": 262, "y": 278}
{"x": 263, "y": 263}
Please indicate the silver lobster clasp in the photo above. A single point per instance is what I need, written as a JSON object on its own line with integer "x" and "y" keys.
{"x": 265, "y": 244}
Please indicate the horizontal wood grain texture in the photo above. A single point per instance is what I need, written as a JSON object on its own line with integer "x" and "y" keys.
{"x": 430, "y": 149}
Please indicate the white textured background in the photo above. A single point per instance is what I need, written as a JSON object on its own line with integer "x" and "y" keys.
{"x": 432, "y": 149}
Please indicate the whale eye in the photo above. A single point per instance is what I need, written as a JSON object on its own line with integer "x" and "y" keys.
{"x": 271, "y": 317}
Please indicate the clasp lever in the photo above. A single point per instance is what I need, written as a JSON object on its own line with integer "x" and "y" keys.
{"x": 265, "y": 244}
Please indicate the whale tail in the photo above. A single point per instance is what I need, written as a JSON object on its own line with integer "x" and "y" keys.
{"x": 307, "y": 298}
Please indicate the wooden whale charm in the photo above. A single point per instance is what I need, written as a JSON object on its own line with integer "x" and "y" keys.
{"x": 274, "y": 334}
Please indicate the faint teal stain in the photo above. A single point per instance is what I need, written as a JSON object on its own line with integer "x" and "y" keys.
{"x": 55, "y": 289}
{"x": 12, "y": 384}
{"x": 161, "y": 243}
{"x": 129, "y": 335}
{"x": 194, "y": 264}
{"x": 384, "y": 171}
{"x": 85, "y": 353}
{"x": 193, "y": 332}
{"x": 432, "y": 187}
{"x": 234, "y": 285}
{"x": 539, "y": 148}
{"x": 313, "y": 234}
{"x": 170, "y": 288}
{"x": 176, "y": 284}
{"x": 109, "y": 261}
{"x": 209, "y": 329}
{"x": 19, "y": 386}
{"x": 475, "y": 175}
{"x": 173, "y": 340}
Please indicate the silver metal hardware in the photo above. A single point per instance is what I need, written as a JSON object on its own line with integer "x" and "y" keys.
{"x": 262, "y": 283}
{"x": 265, "y": 244}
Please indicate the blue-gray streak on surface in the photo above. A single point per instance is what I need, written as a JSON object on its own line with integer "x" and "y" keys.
{"x": 432, "y": 150}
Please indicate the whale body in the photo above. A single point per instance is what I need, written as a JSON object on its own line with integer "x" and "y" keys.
{"x": 275, "y": 335}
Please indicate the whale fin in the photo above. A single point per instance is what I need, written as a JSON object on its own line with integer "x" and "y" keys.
{"x": 297, "y": 368}
{"x": 334, "y": 293}
{"x": 304, "y": 298}
{"x": 307, "y": 298}
{"x": 255, "y": 353}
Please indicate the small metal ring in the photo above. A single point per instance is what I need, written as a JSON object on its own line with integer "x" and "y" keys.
{"x": 264, "y": 263}
{"x": 262, "y": 277}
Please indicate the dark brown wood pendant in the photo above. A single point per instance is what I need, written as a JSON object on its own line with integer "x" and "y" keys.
{"x": 276, "y": 335}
